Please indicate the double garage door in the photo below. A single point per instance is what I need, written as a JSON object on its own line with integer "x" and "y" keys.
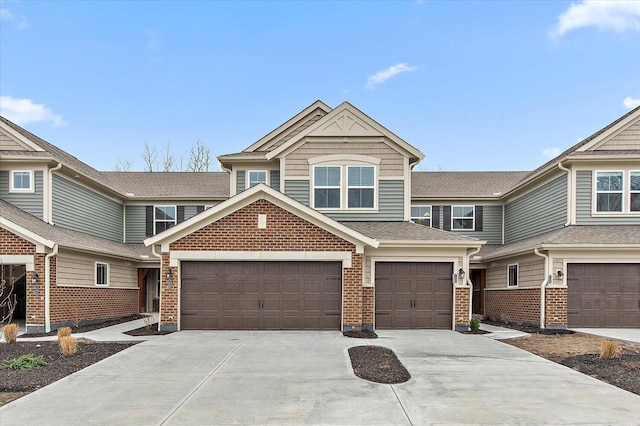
{"x": 603, "y": 295}
{"x": 261, "y": 295}
{"x": 414, "y": 295}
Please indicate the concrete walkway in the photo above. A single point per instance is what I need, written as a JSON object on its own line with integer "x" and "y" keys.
{"x": 628, "y": 334}
{"x": 244, "y": 377}
{"x": 501, "y": 333}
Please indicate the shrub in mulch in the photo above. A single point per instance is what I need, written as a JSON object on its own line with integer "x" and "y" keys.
{"x": 91, "y": 327}
{"x": 377, "y": 364}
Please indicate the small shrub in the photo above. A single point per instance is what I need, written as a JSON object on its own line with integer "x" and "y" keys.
{"x": 24, "y": 362}
{"x": 64, "y": 332}
{"x": 68, "y": 345}
{"x": 10, "y": 332}
{"x": 474, "y": 324}
{"x": 610, "y": 349}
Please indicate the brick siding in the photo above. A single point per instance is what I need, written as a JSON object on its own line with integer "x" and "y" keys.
{"x": 514, "y": 305}
{"x": 556, "y": 307}
{"x": 462, "y": 299}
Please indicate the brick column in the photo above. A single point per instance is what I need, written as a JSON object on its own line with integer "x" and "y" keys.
{"x": 35, "y": 296}
{"x": 368, "y": 298}
{"x": 556, "y": 307}
{"x": 352, "y": 294}
{"x": 168, "y": 297}
{"x": 462, "y": 301}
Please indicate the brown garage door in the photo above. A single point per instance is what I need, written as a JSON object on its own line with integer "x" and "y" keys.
{"x": 261, "y": 295}
{"x": 603, "y": 295}
{"x": 414, "y": 295}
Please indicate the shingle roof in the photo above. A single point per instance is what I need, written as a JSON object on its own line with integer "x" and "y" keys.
{"x": 72, "y": 239}
{"x": 177, "y": 185}
{"x": 583, "y": 235}
{"x": 60, "y": 156}
{"x": 463, "y": 184}
{"x": 405, "y": 231}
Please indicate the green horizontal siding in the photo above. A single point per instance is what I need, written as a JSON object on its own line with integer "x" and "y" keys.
{"x": 241, "y": 183}
{"x": 390, "y": 205}
{"x": 491, "y": 225}
{"x": 541, "y": 210}
{"x": 78, "y": 208}
{"x": 135, "y": 226}
{"x": 31, "y": 202}
{"x": 274, "y": 179}
{"x": 298, "y": 190}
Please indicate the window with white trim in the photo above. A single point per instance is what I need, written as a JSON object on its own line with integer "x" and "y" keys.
{"x": 102, "y": 273}
{"x": 21, "y": 181}
{"x": 164, "y": 217}
{"x": 634, "y": 191}
{"x": 421, "y": 214}
{"x": 256, "y": 177}
{"x": 512, "y": 275}
{"x": 609, "y": 191}
{"x": 361, "y": 187}
{"x": 462, "y": 217}
{"x": 327, "y": 185}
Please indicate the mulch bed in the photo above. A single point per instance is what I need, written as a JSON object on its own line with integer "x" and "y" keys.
{"x": 377, "y": 364}
{"x": 147, "y": 331}
{"x": 528, "y": 328}
{"x": 58, "y": 366}
{"x": 622, "y": 372}
{"x": 92, "y": 327}
{"x": 361, "y": 334}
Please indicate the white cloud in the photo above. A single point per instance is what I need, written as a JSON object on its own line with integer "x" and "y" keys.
{"x": 384, "y": 75}
{"x": 616, "y": 15}
{"x": 24, "y": 111}
{"x": 550, "y": 153}
{"x": 6, "y": 14}
{"x": 631, "y": 103}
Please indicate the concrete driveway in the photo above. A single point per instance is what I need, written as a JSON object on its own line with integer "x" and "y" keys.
{"x": 628, "y": 334}
{"x": 198, "y": 378}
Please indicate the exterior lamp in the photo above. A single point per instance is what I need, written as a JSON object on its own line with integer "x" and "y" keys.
{"x": 461, "y": 274}
{"x": 170, "y": 278}
{"x": 560, "y": 274}
{"x": 34, "y": 281}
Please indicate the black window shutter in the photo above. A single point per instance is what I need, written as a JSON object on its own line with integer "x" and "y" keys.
{"x": 180, "y": 211}
{"x": 435, "y": 217}
{"x": 447, "y": 218}
{"x": 478, "y": 218}
{"x": 199, "y": 209}
{"x": 149, "y": 221}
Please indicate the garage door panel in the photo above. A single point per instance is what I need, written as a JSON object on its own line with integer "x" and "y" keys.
{"x": 603, "y": 295}
{"x": 413, "y": 294}
{"x": 261, "y": 295}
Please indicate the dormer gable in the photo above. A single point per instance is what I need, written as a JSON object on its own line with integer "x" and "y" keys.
{"x": 621, "y": 135}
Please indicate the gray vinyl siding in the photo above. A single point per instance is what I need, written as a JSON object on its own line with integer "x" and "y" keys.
{"x": 135, "y": 224}
{"x": 31, "y": 202}
{"x": 584, "y": 200}
{"x": 274, "y": 179}
{"x": 241, "y": 183}
{"x": 390, "y": 205}
{"x": 491, "y": 225}
{"x": 298, "y": 190}
{"x": 78, "y": 208}
{"x": 541, "y": 210}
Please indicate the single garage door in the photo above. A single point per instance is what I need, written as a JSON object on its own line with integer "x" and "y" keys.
{"x": 603, "y": 295}
{"x": 261, "y": 295}
{"x": 414, "y": 295}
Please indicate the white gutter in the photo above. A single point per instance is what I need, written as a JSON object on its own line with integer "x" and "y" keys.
{"x": 569, "y": 194}
{"x": 543, "y": 286}
{"x": 50, "y": 193}
{"x": 47, "y": 288}
{"x": 468, "y": 262}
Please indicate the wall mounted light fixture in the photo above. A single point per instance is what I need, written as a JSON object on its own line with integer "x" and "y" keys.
{"x": 170, "y": 278}
{"x": 560, "y": 274}
{"x": 461, "y": 274}
{"x": 34, "y": 278}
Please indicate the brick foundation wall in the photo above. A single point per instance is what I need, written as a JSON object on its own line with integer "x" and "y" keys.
{"x": 284, "y": 232}
{"x": 462, "y": 300}
{"x": 515, "y": 305}
{"x": 556, "y": 307}
{"x": 368, "y": 307}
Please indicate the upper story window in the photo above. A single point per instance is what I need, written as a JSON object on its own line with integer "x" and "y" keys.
{"x": 21, "y": 181}
{"x": 360, "y": 187}
{"x": 256, "y": 177}
{"x": 634, "y": 189}
{"x": 421, "y": 215}
{"x": 609, "y": 191}
{"x": 512, "y": 275}
{"x": 102, "y": 273}
{"x": 327, "y": 187}
{"x": 462, "y": 217}
{"x": 164, "y": 217}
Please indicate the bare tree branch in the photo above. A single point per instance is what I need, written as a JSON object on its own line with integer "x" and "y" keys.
{"x": 149, "y": 156}
{"x": 123, "y": 165}
{"x": 167, "y": 159}
{"x": 199, "y": 158}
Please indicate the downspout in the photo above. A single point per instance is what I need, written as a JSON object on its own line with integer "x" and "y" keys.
{"x": 50, "y": 193}
{"x": 569, "y": 195}
{"x": 469, "y": 282}
{"x": 153, "y": 251}
{"x": 543, "y": 286}
{"x": 47, "y": 288}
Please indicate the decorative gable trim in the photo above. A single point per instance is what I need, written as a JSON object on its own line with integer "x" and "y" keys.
{"x": 255, "y": 193}
{"x": 347, "y": 121}
{"x": 19, "y": 138}
{"x": 609, "y": 132}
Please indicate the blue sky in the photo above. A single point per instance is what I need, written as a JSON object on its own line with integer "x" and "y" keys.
{"x": 474, "y": 85}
